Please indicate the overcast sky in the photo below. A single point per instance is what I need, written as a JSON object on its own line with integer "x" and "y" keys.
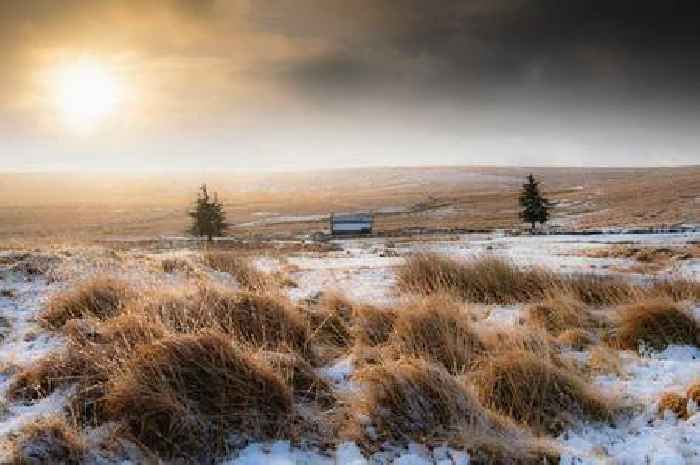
{"x": 295, "y": 84}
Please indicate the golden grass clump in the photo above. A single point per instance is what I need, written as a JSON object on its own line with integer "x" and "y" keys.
{"x": 437, "y": 328}
{"x": 176, "y": 264}
{"x": 240, "y": 268}
{"x": 266, "y": 320}
{"x": 372, "y": 326}
{"x": 487, "y": 279}
{"x": 598, "y": 290}
{"x": 559, "y": 313}
{"x": 678, "y": 289}
{"x": 530, "y": 390}
{"x": 506, "y": 340}
{"x": 655, "y": 324}
{"x": 503, "y": 449}
{"x": 494, "y": 280}
{"x": 604, "y": 360}
{"x": 411, "y": 399}
{"x": 300, "y": 375}
{"x": 100, "y": 298}
{"x": 55, "y": 371}
{"x": 120, "y": 334}
{"x": 694, "y": 393}
{"x": 674, "y": 403}
{"x": 182, "y": 395}
{"x": 331, "y": 320}
{"x": 49, "y": 440}
{"x": 576, "y": 339}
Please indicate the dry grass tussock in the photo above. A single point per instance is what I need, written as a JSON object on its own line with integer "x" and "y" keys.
{"x": 546, "y": 397}
{"x": 244, "y": 271}
{"x": 576, "y": 339}
{"x": 102, "y": 297}
{"x": 694, "y": 393}
{"x": 655, "y": 324}
{"x": 73, "y": 365}
{"x": 300, "y": 375}
{"x": 678, "y": 290}
{"x": 674, "y": 403}
{"x": 411, "y": 399}
{"x": 604, "y": 360}
{"x": 643, "y": 254}
{"x": 437, "y": 328}
{"x": 331, "y": 320}
{"x": 499, "y": 341}
{"x": 487, "y": 279}
{"x": 49, "y": 440}
{"x": 266, "y": 320}
{"x": 177, "y": 264}
{"x": 181, "y": 396}
{"x": 371, "y": 326}
{"x": 559, "y": 313}
{"x": 494, "y": 280}
{"x": 504, "y": 449}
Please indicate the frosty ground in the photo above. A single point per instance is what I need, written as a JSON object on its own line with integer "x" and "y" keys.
{"x": 364, "y": 271}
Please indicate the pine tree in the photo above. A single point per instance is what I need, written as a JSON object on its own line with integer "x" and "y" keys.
{"x": 535, "y": 207}
{"x": 208, "y": 217}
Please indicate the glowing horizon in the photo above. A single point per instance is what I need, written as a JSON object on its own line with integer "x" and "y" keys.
{"x": 292, "y": 85}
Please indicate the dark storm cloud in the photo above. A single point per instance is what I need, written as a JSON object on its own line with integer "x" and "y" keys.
{"x": 618, "y": 46}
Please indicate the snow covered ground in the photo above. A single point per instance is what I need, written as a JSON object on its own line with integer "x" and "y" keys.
{"x": 364, "y": 271}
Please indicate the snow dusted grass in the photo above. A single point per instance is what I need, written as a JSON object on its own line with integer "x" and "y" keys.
{"x": 655, "y": 324}
{"x": 490, "y": 279}
{"x": 535, "y": 392}
{"x": 411, "y": 399}
{"x": 101, "y": 298}
{"x": 49, "y": 440}
{"x": 437, "y": 328}
{"x": 199, "y": 365}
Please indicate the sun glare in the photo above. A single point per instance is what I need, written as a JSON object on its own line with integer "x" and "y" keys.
{"x": 87, "y": 93}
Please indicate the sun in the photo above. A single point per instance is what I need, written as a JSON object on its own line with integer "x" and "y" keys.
{"x": 86, "y": 93}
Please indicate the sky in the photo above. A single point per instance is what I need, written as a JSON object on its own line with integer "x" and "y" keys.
{"x": 295, "y": 84}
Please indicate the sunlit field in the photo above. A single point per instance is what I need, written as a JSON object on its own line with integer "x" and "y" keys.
{"x": 97, "y": 206}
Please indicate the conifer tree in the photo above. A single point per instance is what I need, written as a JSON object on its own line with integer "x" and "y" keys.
{"x": 535, "y": 207}
{"x": 208, "y": 217}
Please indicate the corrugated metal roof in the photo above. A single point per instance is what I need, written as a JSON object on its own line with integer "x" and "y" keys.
{"x": 353, "y": 218}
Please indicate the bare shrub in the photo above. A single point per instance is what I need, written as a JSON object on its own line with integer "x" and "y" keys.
{"x": 46, "y": 441}
{"x": 101, "y": 298}
{"x": 674, "y": 403}
{"x": 182, "y": 395}
{"x": 411, "y": 399}
{"x": 655, "y": 324}
{"x": 438, "y": 329}
{"x": 536, "y": 392}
